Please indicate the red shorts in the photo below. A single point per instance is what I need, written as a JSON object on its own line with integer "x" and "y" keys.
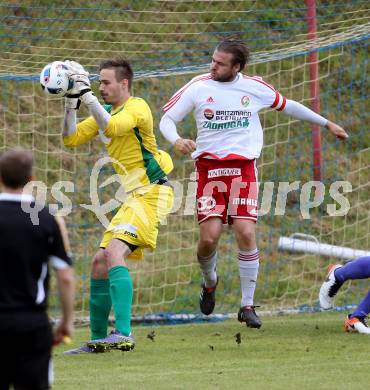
{"x": 227, "y": 189}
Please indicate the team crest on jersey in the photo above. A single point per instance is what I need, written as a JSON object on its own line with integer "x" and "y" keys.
{"x": 208, "y": 113}
{"x": 245, "y": 100}
{"x": 210, "y": 100}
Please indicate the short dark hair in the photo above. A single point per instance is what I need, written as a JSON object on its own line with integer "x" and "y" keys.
{"x": 122, "y": 69}
{"x": 238, "y": 49}
{"x": 16, "y": 167}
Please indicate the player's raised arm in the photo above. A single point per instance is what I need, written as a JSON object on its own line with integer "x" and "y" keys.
{"x": 70, "y": 118}
{"x": 82, "y": 89}
{"x": 301, "y": 112}
{"x": 72, "y": 99}
{"x": 335, "y": 129}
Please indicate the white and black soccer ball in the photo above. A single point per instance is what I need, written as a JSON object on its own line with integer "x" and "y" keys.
{"x": 54, "y": 79}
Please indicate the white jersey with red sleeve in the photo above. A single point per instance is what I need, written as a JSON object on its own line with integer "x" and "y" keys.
{"x": 226, "y": 114}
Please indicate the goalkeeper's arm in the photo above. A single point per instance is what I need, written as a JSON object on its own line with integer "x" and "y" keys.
{"x": 98, "y": 112}
{"x": 82, "y": 92}
{"x": 70, "y": 118}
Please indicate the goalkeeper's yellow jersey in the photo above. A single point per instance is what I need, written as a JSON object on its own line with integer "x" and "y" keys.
{"x": 131, "y": 143}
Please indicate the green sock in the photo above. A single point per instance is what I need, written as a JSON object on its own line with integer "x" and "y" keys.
{"x": 121, "y": 292}
{"x": 100, "y": 305}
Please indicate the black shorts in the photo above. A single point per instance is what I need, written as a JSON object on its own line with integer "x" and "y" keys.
{"x": 26, "y": 359}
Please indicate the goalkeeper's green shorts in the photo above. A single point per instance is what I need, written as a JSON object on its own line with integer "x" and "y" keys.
{"x": 136, "y": 222}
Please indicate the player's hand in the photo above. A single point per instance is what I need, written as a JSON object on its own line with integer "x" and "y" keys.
{"x": 71, "y": 102}
{"x": 185, "y": 146}
{"x": 64, "y": 331}
{"x": 80, "y": 77}
{"x": 338, "y": 131}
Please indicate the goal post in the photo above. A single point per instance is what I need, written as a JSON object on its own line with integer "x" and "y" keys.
{"x": 314, "y": 91}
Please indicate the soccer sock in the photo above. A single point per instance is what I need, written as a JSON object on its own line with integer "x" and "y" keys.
{"x": 356, "y": 269}
{"x": 363, "y": 309}
{"x": 100, "y": 305}
{"x": 121, "y": 291}
{"x": 248, "y": 271}
{"x": 208, "y": 267}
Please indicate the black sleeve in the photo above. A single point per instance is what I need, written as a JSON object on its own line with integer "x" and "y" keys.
{"x": 57, "y": 252}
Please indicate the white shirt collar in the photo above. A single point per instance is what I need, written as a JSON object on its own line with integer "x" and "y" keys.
{"x": 16, "y": 197}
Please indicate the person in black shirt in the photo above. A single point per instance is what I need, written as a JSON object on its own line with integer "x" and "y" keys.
{"x": 26, "y": 251}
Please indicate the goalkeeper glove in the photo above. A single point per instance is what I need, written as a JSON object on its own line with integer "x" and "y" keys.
{"x": 71, "y": 102}
{"x": 80, "y": 78}
{"x": 82, "y": 87}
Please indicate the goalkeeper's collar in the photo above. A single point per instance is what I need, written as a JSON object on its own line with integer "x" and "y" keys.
{"x": 109, "y": 108}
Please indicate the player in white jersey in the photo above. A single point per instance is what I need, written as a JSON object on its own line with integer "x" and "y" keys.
{"x": 226, "y": 104}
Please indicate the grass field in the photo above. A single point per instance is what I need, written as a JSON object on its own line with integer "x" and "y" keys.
{"x": 307, "y": 351}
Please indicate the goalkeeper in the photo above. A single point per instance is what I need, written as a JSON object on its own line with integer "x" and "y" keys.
{"x": 125, "y": 127}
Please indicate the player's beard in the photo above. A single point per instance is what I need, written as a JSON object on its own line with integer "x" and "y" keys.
{"x": 224, "y": 78}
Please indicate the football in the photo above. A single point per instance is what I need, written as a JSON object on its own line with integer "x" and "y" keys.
{"x": 54, "y": 79}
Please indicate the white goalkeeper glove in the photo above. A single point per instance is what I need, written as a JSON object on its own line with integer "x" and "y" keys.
{"x": 72, "y": 103}
{"x": 82, "y": 91}
{"x": 80, "y": 78}
{"x": 78, "y": 74}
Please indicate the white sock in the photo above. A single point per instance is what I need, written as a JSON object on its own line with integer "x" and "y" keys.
{"x": 208, "y": 267}
{"x": 248, "y": 271}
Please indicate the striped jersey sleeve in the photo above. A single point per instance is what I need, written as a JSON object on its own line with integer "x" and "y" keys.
{"x": 269, "y": 96}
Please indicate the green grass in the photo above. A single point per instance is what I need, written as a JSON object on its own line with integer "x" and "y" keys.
{"x": 308, "y": 351}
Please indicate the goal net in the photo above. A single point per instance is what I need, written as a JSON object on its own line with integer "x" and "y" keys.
{"x": 169, "y": 42}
